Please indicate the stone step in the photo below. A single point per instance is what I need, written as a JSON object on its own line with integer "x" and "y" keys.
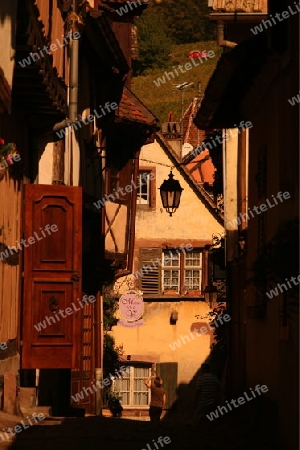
{"x": 29, "y": 410}
{"x": 27, "y": 397}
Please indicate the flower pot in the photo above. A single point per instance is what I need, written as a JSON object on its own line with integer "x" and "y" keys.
{"x": 116, "y": 412}
{"x": 9, "y": 159}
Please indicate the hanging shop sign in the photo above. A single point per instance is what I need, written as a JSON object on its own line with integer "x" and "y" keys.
{"x": 131, "y": 307}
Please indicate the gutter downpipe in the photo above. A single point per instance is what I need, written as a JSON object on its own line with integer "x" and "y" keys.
{"x": 98, "y": 305}
{"x": 74, "y": 57}
{"x": 220, "y": 36}
{"x": 72, "y": 27}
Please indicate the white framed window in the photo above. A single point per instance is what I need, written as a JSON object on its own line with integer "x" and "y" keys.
{"x": 131, "y": 387}
{"x": 171, "y": 270}
{"x": 181, "y": 271}
{"x": 192, "y": 271}
{"x": 143, "y": 190}
{"x": 146, "y": 196}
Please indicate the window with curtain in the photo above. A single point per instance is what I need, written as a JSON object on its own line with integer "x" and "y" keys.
{"x": 132, "y": 388}
{"x": 173, "y": 272}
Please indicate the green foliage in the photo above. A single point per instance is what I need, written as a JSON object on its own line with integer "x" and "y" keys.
{"x": 111, "y": 353}
{"x": 111, "y": 356}
{"x": 170, "y": 22}
{"x": 110, "y": 306}
{"x": 219, "y": 349}
{"x": 114, "y": 404}
{"x": 154, "y": 44}
{"x": 186, "y": 21}
{"x": 160, "y": 100}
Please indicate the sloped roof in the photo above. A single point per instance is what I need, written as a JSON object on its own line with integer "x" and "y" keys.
{"x": 234, "y": 74}
{"x": 133, "y": 110}
{"x": 192, "y": 134}
{"x": 196, "y": 186}
{"x": 102, "y": 38}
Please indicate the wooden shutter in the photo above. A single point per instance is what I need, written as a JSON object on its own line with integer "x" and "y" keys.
{"x": 169, "y": 373}
{"x": 150, "y": 280}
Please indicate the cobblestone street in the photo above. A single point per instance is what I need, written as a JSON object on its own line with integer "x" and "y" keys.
{"x": 93, "y": 433}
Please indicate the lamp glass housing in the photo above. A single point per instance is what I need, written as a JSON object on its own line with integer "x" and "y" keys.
{"x": 210, "y": 294}
{"x": 170, "y": 193}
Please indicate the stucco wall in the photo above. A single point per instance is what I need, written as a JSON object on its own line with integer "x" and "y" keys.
{"x": 191, "y": 223}
{"x": 192, "y": 220}
{"x": 154, "y": 337}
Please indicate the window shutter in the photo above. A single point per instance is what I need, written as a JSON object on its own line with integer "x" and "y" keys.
{"x": 150, "y": 279}
{"x": 169, "y": 373}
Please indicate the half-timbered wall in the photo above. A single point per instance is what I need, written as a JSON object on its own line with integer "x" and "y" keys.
{"x": 52, "y": 20}
{"x": 118, "y": 217}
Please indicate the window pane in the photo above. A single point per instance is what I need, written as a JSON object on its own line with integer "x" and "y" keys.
{"x": 125, "y": 398}
{"x": 192, "y": 279}
{"x": 141, "y": 372}
{"x": 170, "y": 258}
{"x": 193, "y": 259}
{"x": 140, "y": 398}
{"x": 143, "y": 189}
{"x": 171, "y": 279}
{"x": 140, "y": 391}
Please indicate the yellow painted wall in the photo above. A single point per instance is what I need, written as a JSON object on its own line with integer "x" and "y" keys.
{"x": 192, "y": 220}
{"x": 153, "y": 338}
{"x": 230, "y": 161}
{"x": 191, "y": 223}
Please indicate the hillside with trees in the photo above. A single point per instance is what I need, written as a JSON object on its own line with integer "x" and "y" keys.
{"x": 167, "y": 31}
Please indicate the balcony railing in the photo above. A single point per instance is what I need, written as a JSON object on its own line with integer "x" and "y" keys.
{"x": 239, "y": 6}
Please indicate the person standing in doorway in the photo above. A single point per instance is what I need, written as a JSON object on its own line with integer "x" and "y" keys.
{"x": 158, "y": 397}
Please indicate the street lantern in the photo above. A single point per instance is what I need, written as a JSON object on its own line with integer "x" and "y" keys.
{"x": 170, "y": 192}
{"x": 210, "y": 294}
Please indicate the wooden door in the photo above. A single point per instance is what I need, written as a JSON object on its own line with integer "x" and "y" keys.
{"x": 52, "y": 277}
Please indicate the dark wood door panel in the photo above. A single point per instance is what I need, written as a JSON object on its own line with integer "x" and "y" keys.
{"x": 50, "y": 312}
{"x": 53, "y": 248}
{"x": 49, "y": 357}
{"x": 51, "y": 332}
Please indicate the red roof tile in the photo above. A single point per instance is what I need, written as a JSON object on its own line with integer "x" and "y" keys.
{"x": 191, "y": 133}
{"x": 132, "y": 109}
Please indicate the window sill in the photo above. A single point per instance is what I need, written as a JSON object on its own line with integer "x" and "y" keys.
{"x": 145, "y": 207}
{"x": 145, "y": 408}
{"x": 164, "y": 297}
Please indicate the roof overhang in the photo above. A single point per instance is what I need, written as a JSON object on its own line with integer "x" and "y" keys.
{"x": 238, "y": 17}
{"x": 131, "y": 109}
{"x": 235, "y": 73}
{"x": 104, "y": 42}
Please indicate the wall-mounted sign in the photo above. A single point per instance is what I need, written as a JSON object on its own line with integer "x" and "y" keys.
{"x": 131, "y": 307}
